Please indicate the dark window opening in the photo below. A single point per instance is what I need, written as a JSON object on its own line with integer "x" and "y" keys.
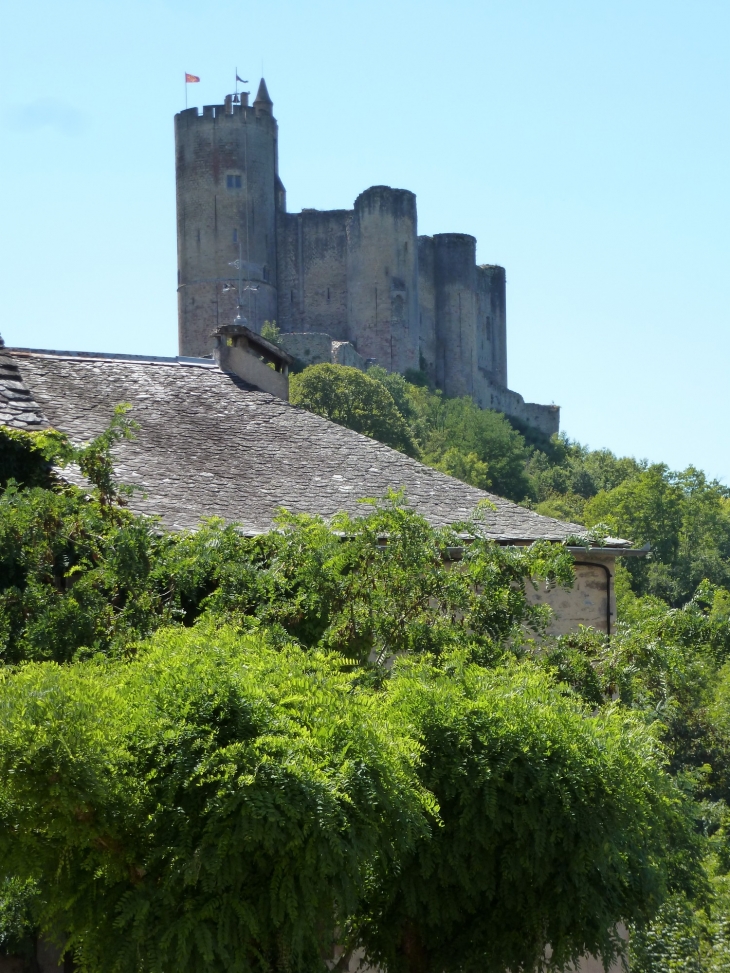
{"x": 235, "y": 236}
{"x": 328, "y": 293}
{"x": 292, "y": 297}
{"x": 233, "y": 182}
{"x": 265, "y": 273}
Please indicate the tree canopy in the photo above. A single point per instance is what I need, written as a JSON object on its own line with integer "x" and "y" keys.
{"x": 349, "y": 397}
{"x": 238, "y": 752}
{"x": 682, "y": 515}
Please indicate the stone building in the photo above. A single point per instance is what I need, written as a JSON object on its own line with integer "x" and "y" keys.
{"x": 212, "y": 443}
{"x": 360, "y": 276}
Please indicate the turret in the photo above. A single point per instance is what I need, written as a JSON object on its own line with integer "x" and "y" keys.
{"x": 227, "y": 190}
{"x": 382, "y": 277}
{"x": 491, "y": 324}
{"x": 262, "y": 102}
{"x": 455, "y": 301}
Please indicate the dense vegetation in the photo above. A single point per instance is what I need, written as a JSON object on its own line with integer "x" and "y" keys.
{"x": 221, "y": 751}
{"x": 673, "y": 605}
{"x": 232, "y": 752}
{"x": 683, "y": 516}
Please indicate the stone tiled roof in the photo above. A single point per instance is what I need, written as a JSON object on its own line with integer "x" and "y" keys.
{"x": 209, "y": 445}
{"x": 17, "y": 407}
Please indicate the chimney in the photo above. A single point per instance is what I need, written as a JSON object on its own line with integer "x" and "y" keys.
{"x": 254, "y": 359}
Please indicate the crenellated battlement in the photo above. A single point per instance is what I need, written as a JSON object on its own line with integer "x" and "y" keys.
{"x": 221, "y": 112}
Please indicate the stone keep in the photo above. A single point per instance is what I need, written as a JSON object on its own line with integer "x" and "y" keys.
{"x": 362, "y": 276}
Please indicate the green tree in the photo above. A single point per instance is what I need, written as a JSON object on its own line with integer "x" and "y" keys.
{"x": 350, "y": 398}
{"x": 186, "y": 797}
{"x": 467, "y": 467}
{"x": 683, "y": 516}
{"x": 217, "y": 800}
{"x": 442, "y": 424}
{"x": 210, "y": 803}
{"x": 476, "y": 893}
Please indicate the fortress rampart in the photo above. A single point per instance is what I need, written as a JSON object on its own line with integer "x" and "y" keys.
{"x": 361, "y": 276}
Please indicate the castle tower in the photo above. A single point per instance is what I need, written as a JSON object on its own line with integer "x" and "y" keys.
{"x": 382, "y": 277}
{"x": 492, "y": 324}
{"x": 427, "y": 306}
{"x": 227, "y": 195}
{"x": 455, "y": 303}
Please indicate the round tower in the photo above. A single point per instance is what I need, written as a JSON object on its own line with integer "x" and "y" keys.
{"x": 382, "y": 277}
{"x": 455, "y": 300}
{"x": 226, "y": 177}
{"x": 492, "y": 323}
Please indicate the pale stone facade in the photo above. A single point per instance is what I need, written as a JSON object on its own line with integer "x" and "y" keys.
{"x": 590, "y": 602}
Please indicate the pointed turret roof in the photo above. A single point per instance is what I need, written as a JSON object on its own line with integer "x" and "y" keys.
{"x": 262, "y": 100}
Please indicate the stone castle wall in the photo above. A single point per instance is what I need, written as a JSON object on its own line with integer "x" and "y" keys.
{"x": 312, "y": 265}
{"x": 361, "y": 276}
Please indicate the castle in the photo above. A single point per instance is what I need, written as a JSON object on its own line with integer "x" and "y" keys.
{"x": 355, "y": 286}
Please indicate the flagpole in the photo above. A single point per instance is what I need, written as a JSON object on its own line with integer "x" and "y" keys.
{"x": 186, "y": 89}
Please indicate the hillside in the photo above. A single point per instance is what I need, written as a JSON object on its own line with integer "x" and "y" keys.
{"x": 683, "y": 516}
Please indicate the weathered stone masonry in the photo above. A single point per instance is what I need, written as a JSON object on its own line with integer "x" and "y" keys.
{"x": 362, "y": 276}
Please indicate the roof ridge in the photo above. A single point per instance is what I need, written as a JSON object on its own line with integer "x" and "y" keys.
{"x": 111, "y": 356}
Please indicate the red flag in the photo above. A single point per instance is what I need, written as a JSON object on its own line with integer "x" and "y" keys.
{"x": 191, "y": 78}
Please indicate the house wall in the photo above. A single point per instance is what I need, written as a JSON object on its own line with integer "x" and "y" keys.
{"x": 588, "y": 602}
{"x": 248, "y": 366}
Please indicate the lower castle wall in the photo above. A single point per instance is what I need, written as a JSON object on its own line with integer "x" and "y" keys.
{"x": 312, "y": 265}
{"x": 343, "y": 353}
{"x": 545, "y": 418}
{"x": 316, "y": 348}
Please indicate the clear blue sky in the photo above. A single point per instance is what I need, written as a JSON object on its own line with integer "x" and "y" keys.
{"x": 584, "y": 143}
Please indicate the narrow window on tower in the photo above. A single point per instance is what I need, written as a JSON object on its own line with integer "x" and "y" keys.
{"x": 235, "y": 236}
{"x": 328, "y": 293}
{"x": 233, "y": 181}
{"x": 265, "y": 272}
{"x": 291, "y": 299}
